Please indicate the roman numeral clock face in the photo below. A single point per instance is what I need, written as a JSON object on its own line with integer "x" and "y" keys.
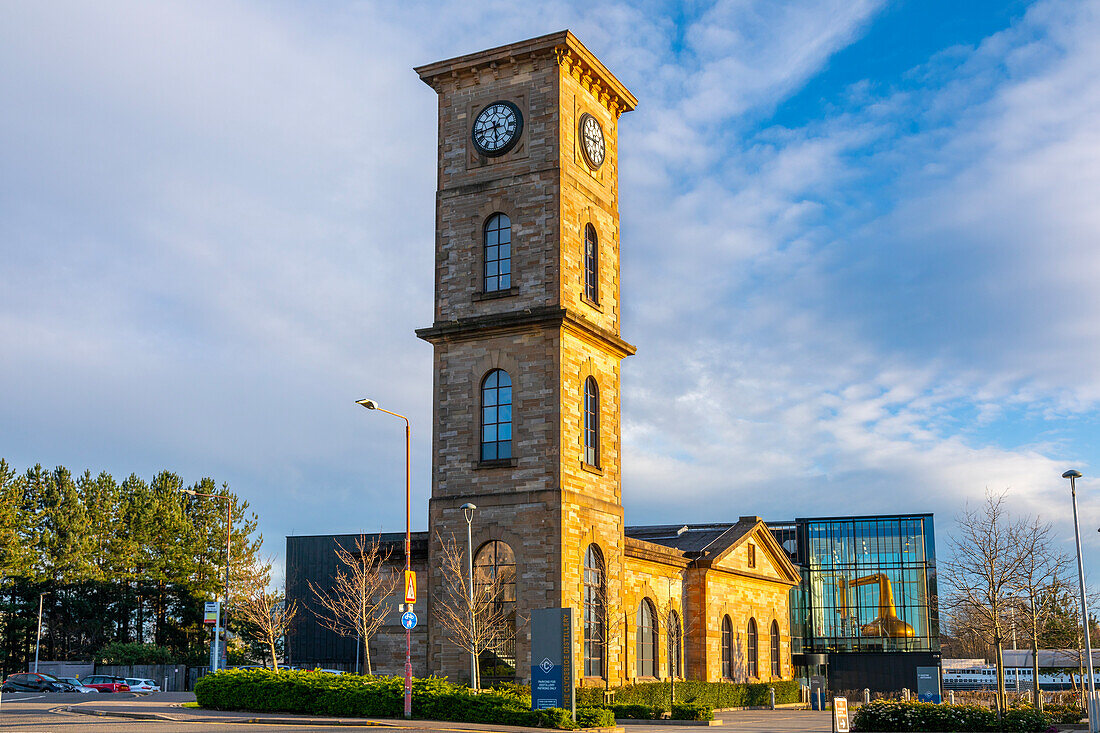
{"x": 497, "y": 128}
{"x": 592, "y": 142}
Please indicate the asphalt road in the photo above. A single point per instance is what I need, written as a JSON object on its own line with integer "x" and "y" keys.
{"x": 35, "y": 713}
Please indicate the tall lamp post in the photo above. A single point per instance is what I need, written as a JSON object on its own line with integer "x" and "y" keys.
{"x": 372, "y": 405}
{"x": 1073, "y": 475}
{"x": 468, "y": 510}
{"x": 38, "y": 639}
{"x": 228, "y": 534}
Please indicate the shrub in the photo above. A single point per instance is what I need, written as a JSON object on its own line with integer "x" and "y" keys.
{"x": 692, "y": 711}
{"x": 633, "y": 712}
{"x": 595, "y": 718}
{"x": 555, "y": 718}
{"x": 714, "y": 694}
{"x": 897, "y": 715}
{"x": 1065, "y": 714}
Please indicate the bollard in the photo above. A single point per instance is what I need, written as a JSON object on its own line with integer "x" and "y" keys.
{"x": 951, "y": 696}
{"x": 819, "y": 700}
{"x": 866, "y": 696}
{"x": 771, "y": 697}
{"x": 905, "y": 693}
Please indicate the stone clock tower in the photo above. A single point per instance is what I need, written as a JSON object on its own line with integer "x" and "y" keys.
{"x": 526, "y": 332}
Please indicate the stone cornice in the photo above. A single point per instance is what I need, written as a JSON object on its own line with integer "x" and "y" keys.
{"x": 653, "y": 552}
{"x": 501, "y": 323}
{"x": 563, "y": 47}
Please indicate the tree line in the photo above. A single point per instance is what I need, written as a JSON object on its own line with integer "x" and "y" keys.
{"x": 118, "y": 562}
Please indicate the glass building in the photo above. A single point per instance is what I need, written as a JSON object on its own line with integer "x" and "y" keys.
{"x": 867, "y": 601}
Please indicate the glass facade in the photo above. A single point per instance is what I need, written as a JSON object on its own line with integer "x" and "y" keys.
{"x": 868, "y": 584}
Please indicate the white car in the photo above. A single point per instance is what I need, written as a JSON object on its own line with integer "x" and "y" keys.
{"x": 140, "y": 685}
{"x": 77, "y": 687}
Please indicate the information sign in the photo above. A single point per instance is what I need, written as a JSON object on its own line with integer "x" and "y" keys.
{"x": 840, "y": 715}
{"x": 410, "y": 586}
{"x": 408, "y": 620}
{"x": 210, "y": 613}
{"x": 552, "y": 658}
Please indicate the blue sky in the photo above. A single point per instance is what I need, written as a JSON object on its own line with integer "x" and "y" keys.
{"x": 859, "y": 249}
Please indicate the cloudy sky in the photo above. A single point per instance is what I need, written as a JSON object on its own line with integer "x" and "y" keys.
{"x": 859, "y": 249}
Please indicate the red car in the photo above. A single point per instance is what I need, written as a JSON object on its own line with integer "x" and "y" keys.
{"x": 106, "y": 683}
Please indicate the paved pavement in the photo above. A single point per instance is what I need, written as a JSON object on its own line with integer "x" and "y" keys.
{"x": 162, "y": 713}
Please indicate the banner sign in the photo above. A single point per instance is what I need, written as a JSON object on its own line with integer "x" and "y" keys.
{"x": 410, "y": 586}
{"x": 552, "y": 657}
{"x": 210, "y": 613}
{"x": 840, "y": 715}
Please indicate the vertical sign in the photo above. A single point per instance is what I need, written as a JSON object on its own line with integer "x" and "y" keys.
{"x": 210, "y": 612}
{"x": 928, "y": 684}
{"x": 840, "y": 715}
{"x": 552, "y": 658}
{"x": 410, "y": 586}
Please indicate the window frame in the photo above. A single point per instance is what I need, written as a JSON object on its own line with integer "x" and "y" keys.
{"x": 646, "y": 639}
{"x": 496, "y": 442}
{"x": 727, "y": 647}
{"x": 675, "y": 643}
{"x": 591, "y": 428}
{"x": 595, "y": 612}
{"x": 752, "y": 650}
{"x": 776, "y": 651}
{"x": 591, "y": 264}
{"x": 503, "y": 280}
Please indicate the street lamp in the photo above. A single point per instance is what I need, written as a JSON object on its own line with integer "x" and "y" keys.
{"x": 228, "y": 530}
{"x": 1073, "y": 475}
{"x": 468, "y": 510}
{"x": 38, "y": 639}
{"x": 372, "y": 405}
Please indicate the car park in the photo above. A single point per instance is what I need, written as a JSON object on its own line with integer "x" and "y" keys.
{"x": 34, "y": 682}
{"x": 107, "y": 683}
{"x": 142, "y": 685}
{"x": 78, "y": 686}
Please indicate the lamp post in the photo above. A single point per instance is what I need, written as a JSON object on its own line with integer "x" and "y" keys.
{"x": 372, "y": 405}
{"x": 1073, "y": 475}
{"x": 468, "y": 510}
{"x": 38, "y": 638}
{"x": 218, "y": 626}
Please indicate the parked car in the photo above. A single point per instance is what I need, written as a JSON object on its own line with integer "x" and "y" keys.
{"x": 139, "y": 685}
{"x": 107, "y": 683}
{"x": 329, "y": 671}
{"x": 34, "y": 682}
{"x": 77, "y": 685}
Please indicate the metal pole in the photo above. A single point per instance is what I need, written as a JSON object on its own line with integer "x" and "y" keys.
{"x": 38, "y": 639}
{"x": 408, "y": 566}
{"x": 1093, "y": 722}
{"x": 470, "y": 574}
{"x": 228, "y": 536}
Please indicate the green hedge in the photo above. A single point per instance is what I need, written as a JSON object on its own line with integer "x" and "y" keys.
{"x": 1065, "y": 714}
{"x": 898, "y": 715}
{"x": 351, "y": 696}
{"x": 715, "y": 695}
{"x": 692, "y": 711}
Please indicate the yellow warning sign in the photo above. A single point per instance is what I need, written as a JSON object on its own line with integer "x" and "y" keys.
{"x": 410, "y": 586}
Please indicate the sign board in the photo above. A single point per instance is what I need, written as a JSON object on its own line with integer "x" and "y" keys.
{"x": 408, "y": 620}
{"x": 552, "y": 659}
{"x": 840, "y": 715}
{"x": 210, "y": 613}
{"x": 928, "y": 684}
{"x": 410, "y": 586}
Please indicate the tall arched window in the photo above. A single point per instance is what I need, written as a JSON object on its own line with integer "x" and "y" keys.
{"x": 496, "y": 416}
{"x": 776, "y": 667}
{"x": 727, "y": 648}
{"x": 498, "y": 253}
{"x": 594, "y": 612}
{"x": 750, "y": 648}
{"x": 591, "y": 422}
{"x": 647, "y": 639}
{"x": 495, "y": 580}
{"x": 591, "y": 264}
{"x": 675, "y": 645}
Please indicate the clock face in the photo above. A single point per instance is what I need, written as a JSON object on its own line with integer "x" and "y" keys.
{"x": 592, "y": 142}
{"x": 497, "y": 128}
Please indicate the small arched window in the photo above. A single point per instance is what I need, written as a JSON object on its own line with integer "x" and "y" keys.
{"x": 495, "y": 583}
{"x": 727, "y": 648}
{"x": 498, "y": 253}
{"x": 647, "y": 639}
{"x": 496, "y": 416}
{"x": 750, "y": 648}
{"x": 776, "y": 665}
{"x": 675, "y": 645}
{"x": 591, "y": 422}
{"x": 591, "y": 264}
{"x": 594, "y": 612}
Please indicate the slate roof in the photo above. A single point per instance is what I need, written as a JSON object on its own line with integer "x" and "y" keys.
{"x": 694, "y": 540}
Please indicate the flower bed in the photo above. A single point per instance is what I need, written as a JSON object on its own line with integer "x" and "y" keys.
{"x": 897, "y": 715}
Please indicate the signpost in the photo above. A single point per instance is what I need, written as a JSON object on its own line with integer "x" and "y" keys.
{"x": 840, "y": 715}
{"x": 410, "y": 586}
{"x": 552, "y": 659}
{"x": 212, "y": 615}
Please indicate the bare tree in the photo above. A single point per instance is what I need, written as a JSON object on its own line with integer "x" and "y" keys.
{"x": 611, "y": 627}
{"x": 1041, "y": 575}
{"x": 986, "y": 558}
{"x": 484, "y": 620}
{"x": 357, "y": 603}
{"x": 265, "y": 612}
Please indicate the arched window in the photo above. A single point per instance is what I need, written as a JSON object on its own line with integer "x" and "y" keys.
{"x": 495, "y": 583}
{"x": 675, "y": 645}
{"x": 727, "y": 648}
{"x": 591, "y": 422}
{"x": 750, "y": 648}
{"x": 776, "y": 667}
{"x": 594, "y": 612}
{"x": 647, "y": 639}
{"x": 496, "y": 416}
{"x": 591, "y": 264}
{"x": 498, "y": 253}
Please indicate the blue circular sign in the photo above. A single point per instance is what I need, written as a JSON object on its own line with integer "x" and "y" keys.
{"x": 408, "y": 619}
